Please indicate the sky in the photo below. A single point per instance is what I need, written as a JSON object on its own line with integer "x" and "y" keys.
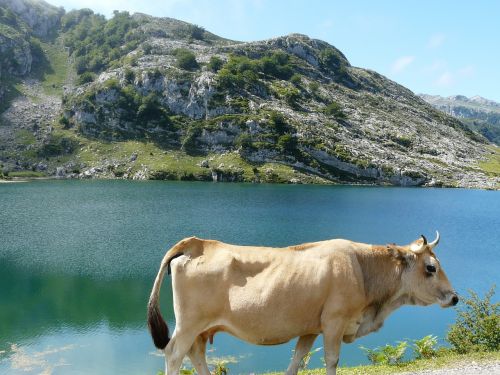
{"x": 434, "y": 47}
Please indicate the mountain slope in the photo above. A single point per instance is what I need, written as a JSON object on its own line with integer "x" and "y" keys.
{"x": 158, "y": 98}
{"x": 479, "y": 114}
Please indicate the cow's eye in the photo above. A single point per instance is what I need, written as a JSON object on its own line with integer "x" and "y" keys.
{"x": 430, "y": 268}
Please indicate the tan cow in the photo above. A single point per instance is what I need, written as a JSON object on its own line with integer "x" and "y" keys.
{"x": 268, "y": 296}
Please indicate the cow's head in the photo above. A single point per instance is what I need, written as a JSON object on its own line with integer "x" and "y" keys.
{"x": 426, "y": 279}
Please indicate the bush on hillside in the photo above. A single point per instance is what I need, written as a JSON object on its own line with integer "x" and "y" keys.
{"x": 215, "y": 63}
{"x": 186, "y": 59}
{"x": 335, "y": 110}
{"x": 86, "y": 78}
{"x": 196, "y": 32}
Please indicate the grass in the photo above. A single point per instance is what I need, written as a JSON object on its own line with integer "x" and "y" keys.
{"x": 25, "y": 137}
{"x": 53, "y": 73}
{"x": 445, "y": 359}
{"x": 491, "y": 165}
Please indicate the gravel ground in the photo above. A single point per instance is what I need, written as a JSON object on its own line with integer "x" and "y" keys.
{"x": 472, "y": 368}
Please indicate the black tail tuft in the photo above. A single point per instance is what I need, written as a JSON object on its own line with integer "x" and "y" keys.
{"x": 157, "y": 327}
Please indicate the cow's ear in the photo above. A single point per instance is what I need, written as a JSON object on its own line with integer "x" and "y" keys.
{"x": 401, "y": 254}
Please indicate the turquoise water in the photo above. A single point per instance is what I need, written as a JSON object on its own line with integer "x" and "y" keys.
{"x": 78, "y": 258}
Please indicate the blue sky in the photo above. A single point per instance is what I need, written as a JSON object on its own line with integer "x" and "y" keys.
{"x": 435, "y": 47}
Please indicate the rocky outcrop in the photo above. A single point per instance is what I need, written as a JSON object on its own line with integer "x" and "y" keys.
{"x": 15, "y": 53}
{"x": 42, "y": 18}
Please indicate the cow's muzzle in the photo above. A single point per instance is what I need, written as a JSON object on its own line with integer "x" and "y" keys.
{"x": 451, "y": 299}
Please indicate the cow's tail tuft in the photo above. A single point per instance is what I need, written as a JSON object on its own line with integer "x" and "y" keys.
{"x": 156, "y": 324}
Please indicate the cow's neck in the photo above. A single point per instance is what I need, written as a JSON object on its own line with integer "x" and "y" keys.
{"x": 384, "y": 289}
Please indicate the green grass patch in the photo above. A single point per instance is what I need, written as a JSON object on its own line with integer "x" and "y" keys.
{"x": 25, "y": 137}
{"x": 491, "y": 165}
{"x": 445, "y": 359}
{"x": 53, "y": 70}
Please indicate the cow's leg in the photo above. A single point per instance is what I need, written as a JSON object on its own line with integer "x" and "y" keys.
{"x": 332, "y": 337}
{"x": 303, "y": 347}
{"x": 197, "y": 356}
{"x": 177, "y": 348}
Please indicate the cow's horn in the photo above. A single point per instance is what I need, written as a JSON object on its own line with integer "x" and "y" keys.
{"x": 435, "y": 242}
{"x": 425, "y": 239}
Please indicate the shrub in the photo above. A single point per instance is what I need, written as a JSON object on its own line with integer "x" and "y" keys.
{"x": 425, "y": 347}
{"x": 314, "y": 87}
{"x": 335, "y": 110}
{"x": 477, "y": 324}
{"x": 86, "y": 77}
{"x": 237, "y": 72}
{"x": 287, "y": 143}
{"x": 329, "y": 59}
{"x": 186, "y": 59}
{"x": 147, "y": 48}
{"x": 402, "y": 140}
{"x": 290, "y": 94}
{"x": 387, "y": 355}
{"x": 129, "y": 75}
{"x": 278, "y": 122}
{"x": 244, "y": 140}
{"x": 151, "y": 111}
{"x": 112, "y": 84}
{"x": 57, "y": 145}
{"x": 276, "y": 65}
{"x": 215, "y": 63}
{"x": 296, "y": 79}
{"x": 63, "y": 120}
{"x": 342, "y": 153}
{"x": 196, "y": 32}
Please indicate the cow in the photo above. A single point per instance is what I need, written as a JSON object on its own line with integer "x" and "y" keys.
{"x": 268, "y": 296}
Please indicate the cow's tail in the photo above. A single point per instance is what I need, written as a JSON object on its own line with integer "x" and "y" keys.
{"x": 157, "y": 326}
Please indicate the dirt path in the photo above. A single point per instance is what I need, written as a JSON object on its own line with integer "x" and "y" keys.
{"x": 472, "y": 368}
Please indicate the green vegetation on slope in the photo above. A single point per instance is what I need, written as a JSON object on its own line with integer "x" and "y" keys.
{"x": 95, "y": 42}
{"x": 492, "y": 164}
{"x": 50, "y": 66}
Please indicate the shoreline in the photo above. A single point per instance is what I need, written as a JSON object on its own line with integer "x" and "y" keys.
{"x": 46, "y": 178}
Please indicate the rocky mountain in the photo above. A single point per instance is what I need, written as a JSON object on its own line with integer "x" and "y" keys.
{"x": 479, "y": 114}
{"x": 142, "y": 97}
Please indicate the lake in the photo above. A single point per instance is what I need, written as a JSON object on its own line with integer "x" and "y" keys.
{"x": 78, "y": 260}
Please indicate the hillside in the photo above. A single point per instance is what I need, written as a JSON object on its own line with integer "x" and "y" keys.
{"x": 141, "y": 97}
{"x": 479, "y": 114}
